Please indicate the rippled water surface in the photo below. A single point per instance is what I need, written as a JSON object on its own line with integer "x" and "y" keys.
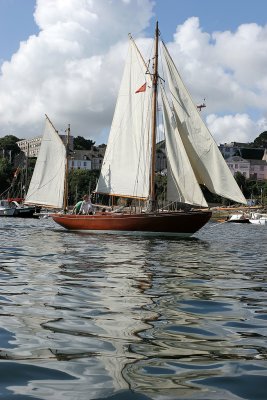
{"x": 86, "y": 316}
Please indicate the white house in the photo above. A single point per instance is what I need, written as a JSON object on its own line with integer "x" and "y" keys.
{"x": 238, "y": 164}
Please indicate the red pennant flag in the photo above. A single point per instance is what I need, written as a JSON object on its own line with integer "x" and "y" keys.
{"x": 141, "y": 89}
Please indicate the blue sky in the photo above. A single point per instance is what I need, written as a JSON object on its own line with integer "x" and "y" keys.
{"x": 17, "y": 21}
{"x": 16, "y": 24}
{"x": 214, "y": 14}
{"x": 221, "y": 56}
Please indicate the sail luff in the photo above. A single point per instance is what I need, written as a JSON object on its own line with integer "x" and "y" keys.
{"x": 207, "y": 162}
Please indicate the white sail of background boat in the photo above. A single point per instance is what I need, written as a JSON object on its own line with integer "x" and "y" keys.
{"x": 48, "y": 180}
{"x": 129, "y": 164}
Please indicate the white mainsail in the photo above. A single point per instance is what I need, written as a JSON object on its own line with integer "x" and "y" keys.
{"x": 206, "y": 160}
{"x": 47, "y": 184}
{"x": 125, "y": 169}
{"x": 182, "y": 184}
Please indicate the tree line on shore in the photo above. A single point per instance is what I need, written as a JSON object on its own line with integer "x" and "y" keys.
{"x": 84, "y": 181}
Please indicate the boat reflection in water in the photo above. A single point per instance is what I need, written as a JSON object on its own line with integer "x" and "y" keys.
{"x": 72, "y": 324}
{"x": 130, "y": 316}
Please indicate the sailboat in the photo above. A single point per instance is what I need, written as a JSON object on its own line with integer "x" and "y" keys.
{"x": 128, "y": 169}
{"x": 13, "y": 205}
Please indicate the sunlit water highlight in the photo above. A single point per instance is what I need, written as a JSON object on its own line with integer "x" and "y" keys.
{"x": 87, "y": 316}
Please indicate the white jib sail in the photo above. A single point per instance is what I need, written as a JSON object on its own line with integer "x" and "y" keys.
{"x": 47, "y": 183}
{"x": 125, "y": 169}
{"x": 182, "y": 184}
{"x": 206, "y": 160}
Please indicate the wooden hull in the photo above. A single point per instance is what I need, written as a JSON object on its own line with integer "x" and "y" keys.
{"x": 166, "y": 223}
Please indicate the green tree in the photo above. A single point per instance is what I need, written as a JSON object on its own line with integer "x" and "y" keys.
{"x": 80, "y": 143}
{"x": 258, "y": 191}
{"x": 161, "y": 187}
{"x": 8, "y": 143}
{"x": 5, "y": 174}
{"x": 81, "y": 182}
{"x": 261, "y": 140}
{"x": 242, "y": 183}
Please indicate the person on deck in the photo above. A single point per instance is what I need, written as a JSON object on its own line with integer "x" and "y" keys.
{"x": 76, "y": 208}
{"x": 86, "y": 206}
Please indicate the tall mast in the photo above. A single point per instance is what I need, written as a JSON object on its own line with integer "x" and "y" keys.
{"x": 66, "y": 194}
{"x": 154, "y": 120}
{"x": 24, "y": 192}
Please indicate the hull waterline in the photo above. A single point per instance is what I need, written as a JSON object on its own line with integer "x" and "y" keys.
{"x": 172, "y": 224}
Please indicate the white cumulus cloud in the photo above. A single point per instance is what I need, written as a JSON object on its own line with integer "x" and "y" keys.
{"x": 71, "y": 70}
{"x": 235, "y": 128}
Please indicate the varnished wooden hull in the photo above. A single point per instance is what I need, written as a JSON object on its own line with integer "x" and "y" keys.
{"x": 170, "y": 223}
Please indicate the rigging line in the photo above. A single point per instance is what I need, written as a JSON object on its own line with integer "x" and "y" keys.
{"x": 114, "y": 138}
{"x": 5, "y": 191}
{"x": 140, "y": 54}
{"x": 161, "y": 63}
{"x": 188, "y": 94}
{"x": 138, "y": 59}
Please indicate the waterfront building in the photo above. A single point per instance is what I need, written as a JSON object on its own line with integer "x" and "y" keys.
{"x": 238, "y": 164}
{"x": 30, "y": 147}
{"x": 87, "y": 159}
{"x": 78, "y": 159}
{"x": 251, "y": 169}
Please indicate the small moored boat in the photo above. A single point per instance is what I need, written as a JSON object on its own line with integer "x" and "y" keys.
{"x": 240, "y": 218}
{"x": 257, "y": 218}
{"x": 6, "y": 209}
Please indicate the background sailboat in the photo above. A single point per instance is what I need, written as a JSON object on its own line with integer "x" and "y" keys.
{"x": 48, "y": 180}
{"x": 128, "y": 168}
{"x": 13, "y": 205}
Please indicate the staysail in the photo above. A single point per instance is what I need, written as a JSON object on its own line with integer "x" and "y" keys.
{"x": 206, "y": 160}
{"x": 182, "y": 184}
{"x": 47, "y": 184}
{"x": 125, "y": 168}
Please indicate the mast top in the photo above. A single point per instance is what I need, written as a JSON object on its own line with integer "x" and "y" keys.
{"x": 50, "y": 122}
